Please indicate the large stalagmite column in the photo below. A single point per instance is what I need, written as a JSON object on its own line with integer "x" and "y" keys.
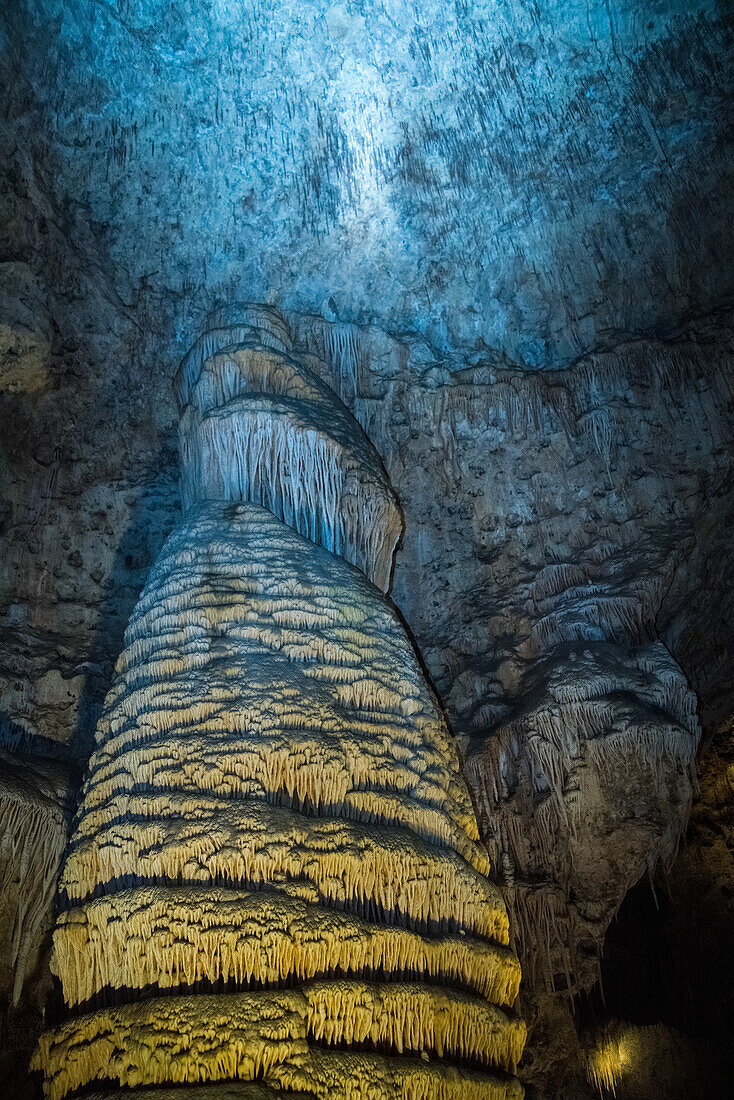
{"x": 275, "y": 878}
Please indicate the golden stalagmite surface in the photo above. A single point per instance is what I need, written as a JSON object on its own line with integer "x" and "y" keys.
{"x": 179, "y": 936}
{"x": 223, "y": 1090}
{"x": 275, "y": 875}
{"x": 248, "y": 1035}
{"x": 351, "y": 1075}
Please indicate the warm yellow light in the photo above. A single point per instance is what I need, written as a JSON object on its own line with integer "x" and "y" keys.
{"x": 275, "y": 804}
{"x": 607, "y": 1062}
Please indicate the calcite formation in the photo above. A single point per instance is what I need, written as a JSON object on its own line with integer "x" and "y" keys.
{"x": 257, "y": 425}
{"x": 600, "y": 727}
{"x": 34, "y": 826}
{"x": 276, "y": 877}
{"x": 494, "y": 179}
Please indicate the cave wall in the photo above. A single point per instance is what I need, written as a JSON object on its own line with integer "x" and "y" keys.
{"x": 521, "y": 195}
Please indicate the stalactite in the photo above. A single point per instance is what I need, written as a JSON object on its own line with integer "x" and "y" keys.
{"x": 259, "y": 425}
{"x": 229, "y": 327}
{"x": 274, "y": 804}
{"x": 339, "y": 346}
{"x": 353, "y": 1075}
{"x": 593, "y": 402}
{"x": 344, "y": 352}
{"x": 223, "y": 1090}
{"x": 244, "y": 1035}
{"x": 34, "y": 821}
{"x": 266, "y": 450}
{"x": 124, "y": 941}
{"x": 589, "y": 717}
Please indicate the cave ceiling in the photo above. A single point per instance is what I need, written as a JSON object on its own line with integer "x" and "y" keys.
{"x": 539, "y": 178}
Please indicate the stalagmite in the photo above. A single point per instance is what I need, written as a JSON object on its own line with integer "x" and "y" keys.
{"x": 275, "y": 879}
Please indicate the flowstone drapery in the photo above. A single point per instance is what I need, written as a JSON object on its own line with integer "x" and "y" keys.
{"x": 597, "y": 760}
{"x": 34, "y": 823}
{"x": 275, "y": 878}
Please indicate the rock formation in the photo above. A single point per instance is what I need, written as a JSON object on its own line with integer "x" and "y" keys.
{"x": 275, "y": 871}
{"x": 600, "y": 729}
{"x": 34, "y": 824}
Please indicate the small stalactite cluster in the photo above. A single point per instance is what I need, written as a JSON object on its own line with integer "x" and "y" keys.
{"x": 275, "y": 879}
{"x": 258, "y": 425}
{"x": 598, "y": 723}
{"x": 34, "y": 826}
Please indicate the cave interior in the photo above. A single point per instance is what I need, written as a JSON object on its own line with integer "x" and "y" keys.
{"x": 417, "y": 316}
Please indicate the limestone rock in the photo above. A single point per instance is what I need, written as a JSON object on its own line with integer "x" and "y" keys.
{"x": 25, "y": 331}
{"x": 258, "y": 424}
{"x": 274, "y": 830}
{"x": 582, "y": 790}
{"x": 35, "y": 815}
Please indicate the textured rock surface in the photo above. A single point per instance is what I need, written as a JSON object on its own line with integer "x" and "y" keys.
{"x": 472, "y": 601}
{"x": 473, "y": 620}
{"x": 594, "y": 241}
{"x": 273, "y": 763}
{"x": 25, "y": 337}
{"x": 265, "y": 1035}
{"x": 258, "y": 424}
{"x": 644, "y": 1063}
{"x": 35, "y": 803}
{"x": 530, "y": 177}
{"x": 582, "y": 789}
{"x": 36, "y": 798}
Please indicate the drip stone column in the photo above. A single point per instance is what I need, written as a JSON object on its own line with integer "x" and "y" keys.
{"x": 275, "y": 880}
